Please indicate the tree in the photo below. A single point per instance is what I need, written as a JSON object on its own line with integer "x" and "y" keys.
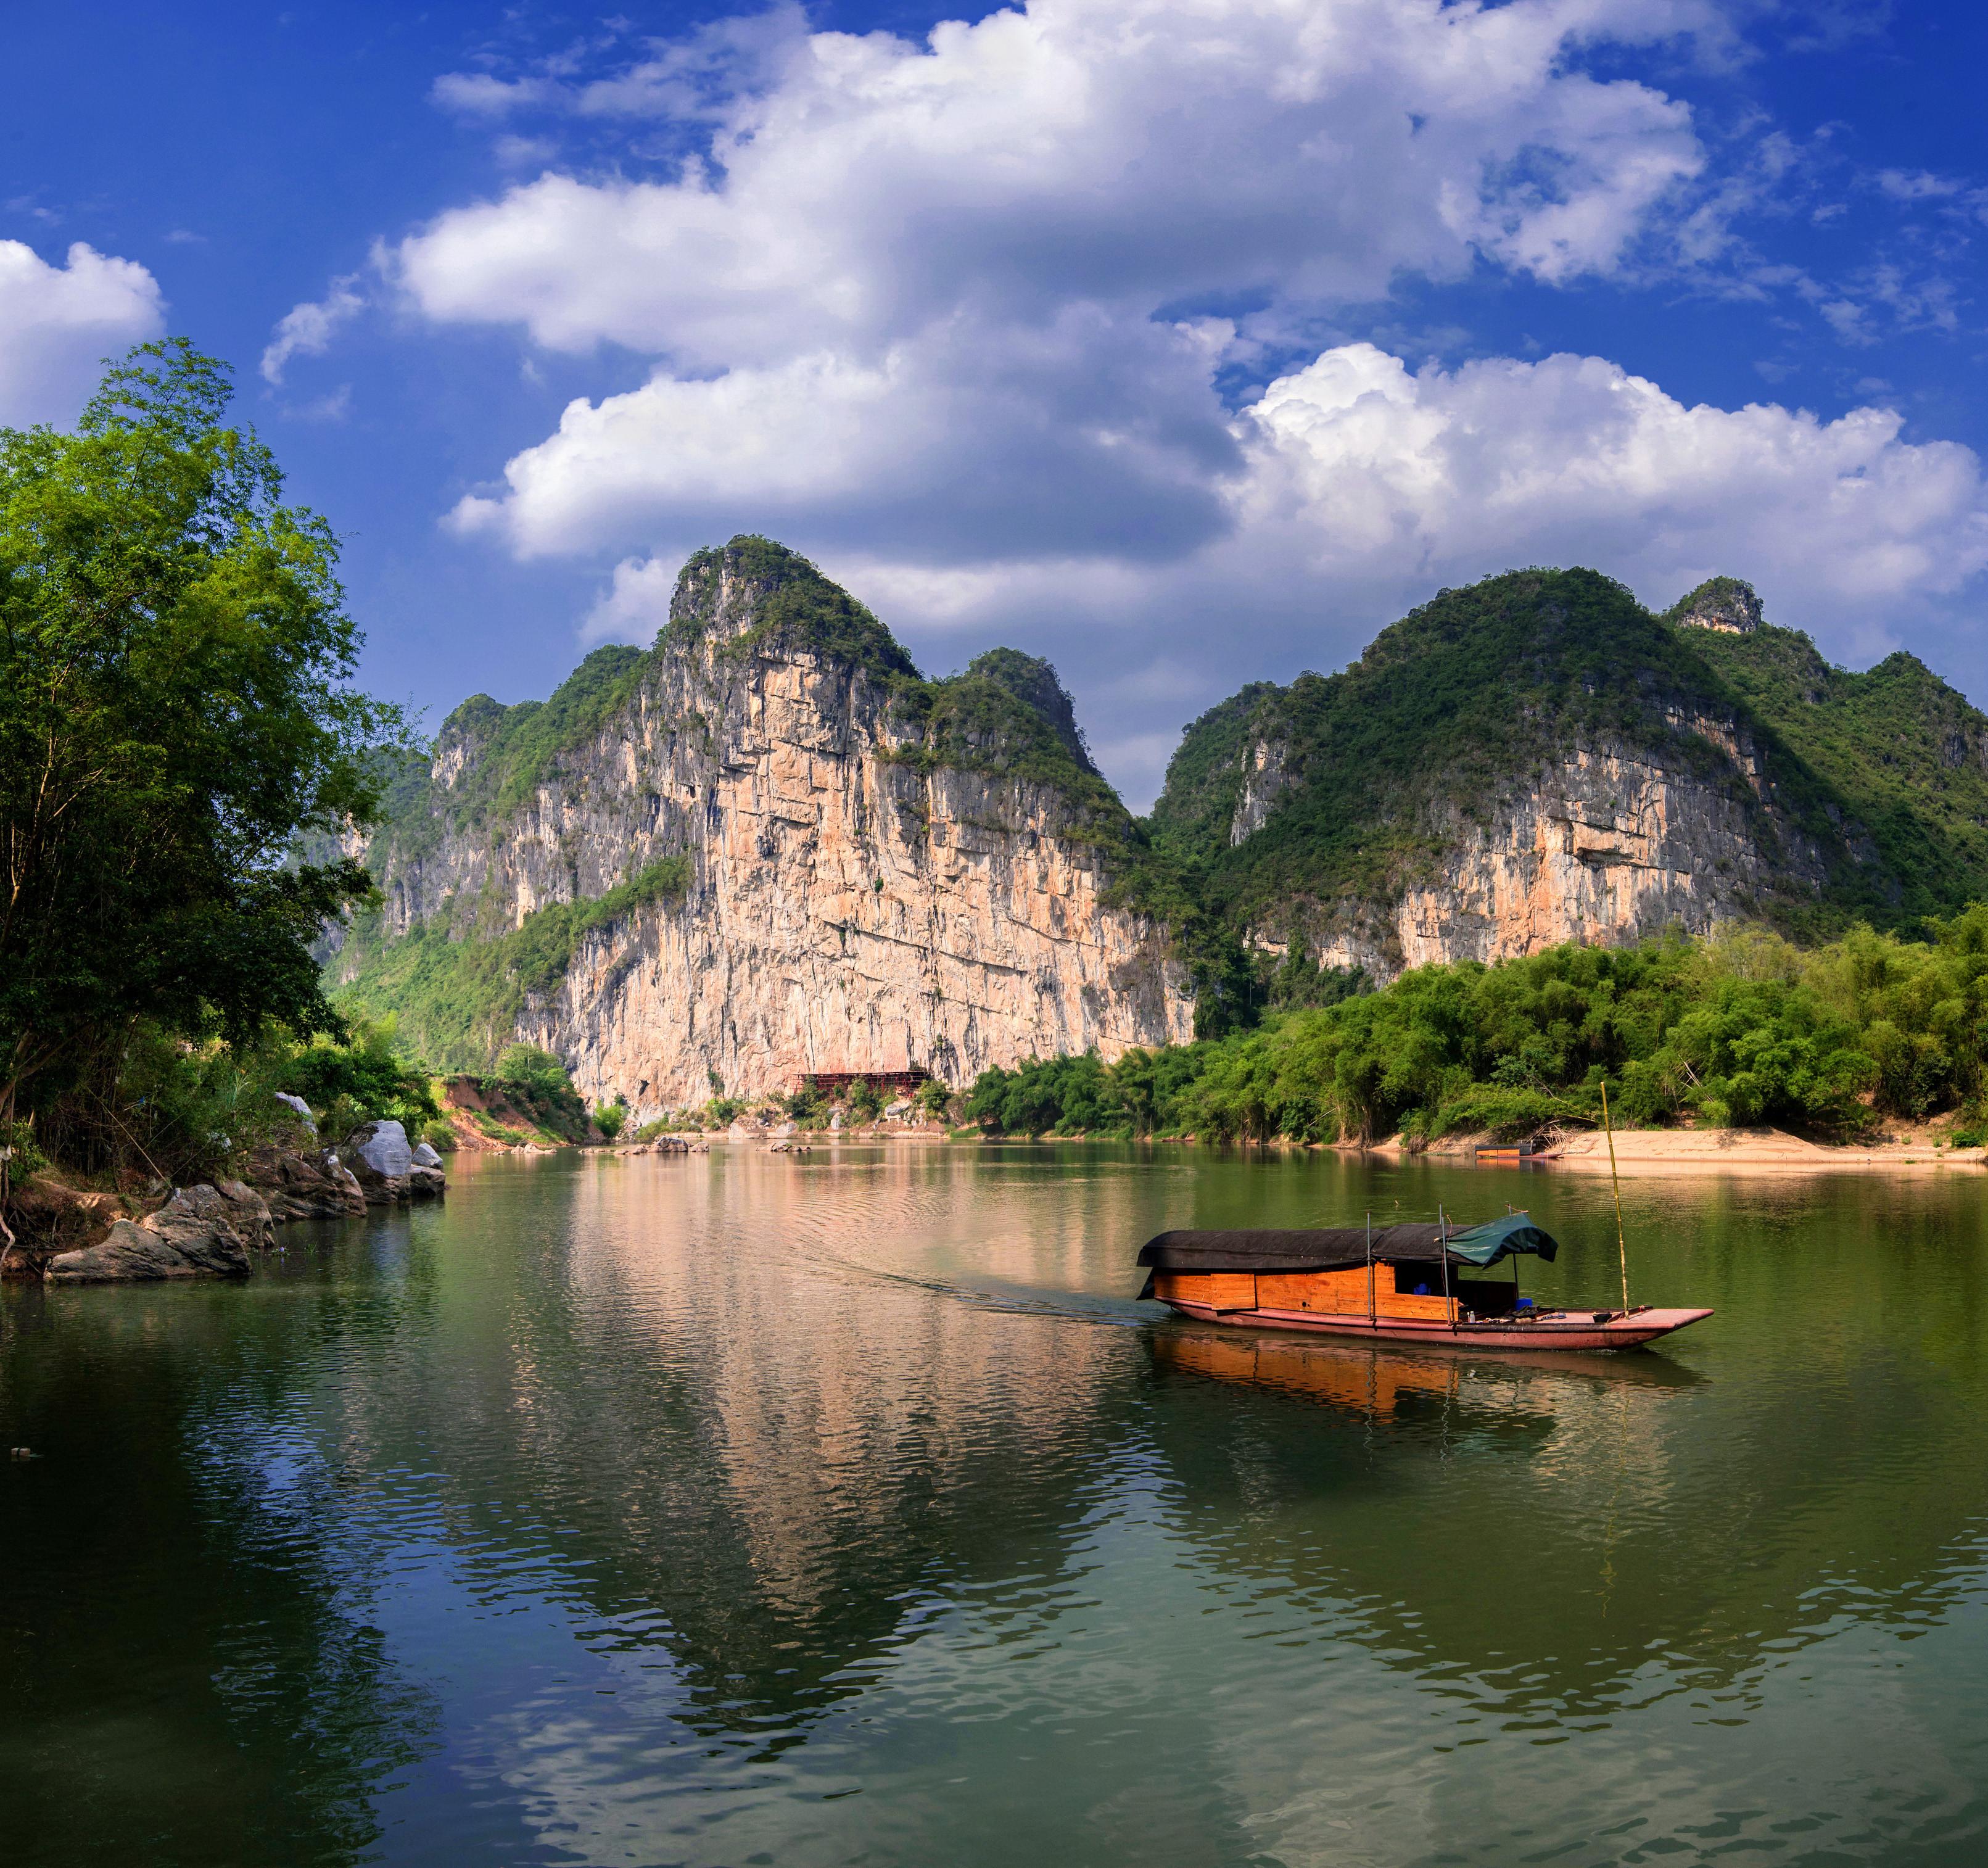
{"x": 366, "y": 1072}
{"x": 532, "y": 1068}
{"x": 176, "y": 722}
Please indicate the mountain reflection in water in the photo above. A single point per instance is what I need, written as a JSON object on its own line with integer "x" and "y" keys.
{"x": 850, "y": 1508}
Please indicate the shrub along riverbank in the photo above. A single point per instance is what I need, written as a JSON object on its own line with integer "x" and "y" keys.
{"x": 1740, "y": 1029}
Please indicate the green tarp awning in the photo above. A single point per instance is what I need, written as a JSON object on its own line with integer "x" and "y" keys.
{"x": 1327, "y": 1248}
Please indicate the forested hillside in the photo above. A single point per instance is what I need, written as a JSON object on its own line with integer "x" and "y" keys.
{"x": 1534, "y": 760}
{"x": 1744, "y": 1028}
{"x": 1856, "y": 796}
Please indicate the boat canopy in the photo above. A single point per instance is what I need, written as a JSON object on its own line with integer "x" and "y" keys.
{"x": 1333, "y": 1248}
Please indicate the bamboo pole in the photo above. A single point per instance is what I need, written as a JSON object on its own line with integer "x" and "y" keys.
{"x": 1371, "y": 1323}
{"x": 1442, "y": 1234}
{"x": 1622, "y": 1244}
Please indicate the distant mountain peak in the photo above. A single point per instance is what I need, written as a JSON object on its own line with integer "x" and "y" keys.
{"x": 755, "y": 594}
{"x": 1538, "y": 758}
{"x": 1730, "y": 605}
{"x": 1033, "y": 682}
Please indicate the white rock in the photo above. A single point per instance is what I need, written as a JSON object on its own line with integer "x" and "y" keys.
{"x": 302, "y": 1108}
{"x": 385, "y": 1150}
{"x": 425, "y": 1156}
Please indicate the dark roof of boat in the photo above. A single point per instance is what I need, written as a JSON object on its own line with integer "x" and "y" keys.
{"x": 1334, "y": 1247}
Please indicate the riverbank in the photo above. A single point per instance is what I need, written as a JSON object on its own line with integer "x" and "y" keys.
{"x": 1770, "y": 1151}
{"x": 68, "y": 1233}
{"x": 1637, "y": 1151}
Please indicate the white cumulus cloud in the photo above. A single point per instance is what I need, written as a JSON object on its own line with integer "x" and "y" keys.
{"x": 1082, "y": 434}
{"x": 1364, "y": 470}
{"x": 58, "y": 322}
{"x": 937, "y": 298}
{"x": 963, "y": 317}
{"x": 308, "y": 329}
{"x": 1130, "y": 152}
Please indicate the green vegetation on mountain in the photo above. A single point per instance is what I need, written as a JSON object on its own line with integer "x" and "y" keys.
{"x": 1465, "y": 700}
{"x": 518, "y": 748}
{"x": 1033, "y": 682}
{"x": 1900, "y": 756}
{"x": 459, "y": 992}
{"x": 1740, "y": 1029}
{"x": 976, "y": 722}
{"x": 796, "y": 609}
{"x": 1729, "y": 600}
{"x": 1193, "y": 815}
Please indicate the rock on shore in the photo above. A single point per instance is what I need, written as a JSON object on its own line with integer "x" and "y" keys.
{"x": 304, "y": 1186}
{"x": 387, "y": 1170}
{"x": 216, "y": 1230}
{"x": 202, "y": 1231}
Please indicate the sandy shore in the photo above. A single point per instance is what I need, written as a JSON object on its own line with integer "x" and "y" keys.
{"x": 1637, "y": 1151}
{"x": 1715, "y": 1151}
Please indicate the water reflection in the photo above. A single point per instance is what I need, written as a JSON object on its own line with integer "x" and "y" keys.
{"x": 190, "y": 1670}
{"x": 684, "y": 1509}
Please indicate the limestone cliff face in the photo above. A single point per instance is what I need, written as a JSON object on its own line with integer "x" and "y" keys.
{"x": 1265, "y": 779}
{"x": 1538, "y": 759}
{"x": 853, "y": 901}
{"x": 1609, "y": 845}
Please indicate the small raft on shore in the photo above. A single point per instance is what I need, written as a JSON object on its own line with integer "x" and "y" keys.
{"x": 1392, "y": 1283}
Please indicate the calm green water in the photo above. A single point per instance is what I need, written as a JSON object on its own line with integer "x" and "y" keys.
{"x": 847, "y": 1510}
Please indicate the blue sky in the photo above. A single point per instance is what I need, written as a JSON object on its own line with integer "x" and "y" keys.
{"x": 1185, "y": 341}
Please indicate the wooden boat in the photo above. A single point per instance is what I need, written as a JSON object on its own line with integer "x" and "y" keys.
{"x": 1392, "y": 1283}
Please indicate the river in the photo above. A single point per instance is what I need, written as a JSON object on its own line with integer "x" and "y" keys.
{"x": 847, "y": 1509}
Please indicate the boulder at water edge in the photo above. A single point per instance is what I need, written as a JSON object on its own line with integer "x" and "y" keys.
{"x": 381, "y": 1160}
{"x": 426, "y": 1181}
{"x": 200, "y": 1232}
{"x": 304, "y": 1186}
{"x": 386, "y": 1167}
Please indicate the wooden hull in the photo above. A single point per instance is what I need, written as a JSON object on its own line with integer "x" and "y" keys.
{"x": 1551, "y": 1330}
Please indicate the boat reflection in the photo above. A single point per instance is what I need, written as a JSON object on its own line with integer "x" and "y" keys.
{"x": 1384, "y": 1378}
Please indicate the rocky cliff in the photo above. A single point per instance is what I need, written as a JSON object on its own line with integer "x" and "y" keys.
{"x": 764, "y": 847}
{"x": 1610, "y": 843}
{"x": 1538, "y": 759}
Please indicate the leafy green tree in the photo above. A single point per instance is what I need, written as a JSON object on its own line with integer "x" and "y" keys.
{"x": 367, "y": 1072}
{"x": 807, "y": 1106}
{"x": 610, "y": 1118}
{"x": 538, "y": 1082}
{"x": 534, "y": 1068}
{"x": 175, "y": 718}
